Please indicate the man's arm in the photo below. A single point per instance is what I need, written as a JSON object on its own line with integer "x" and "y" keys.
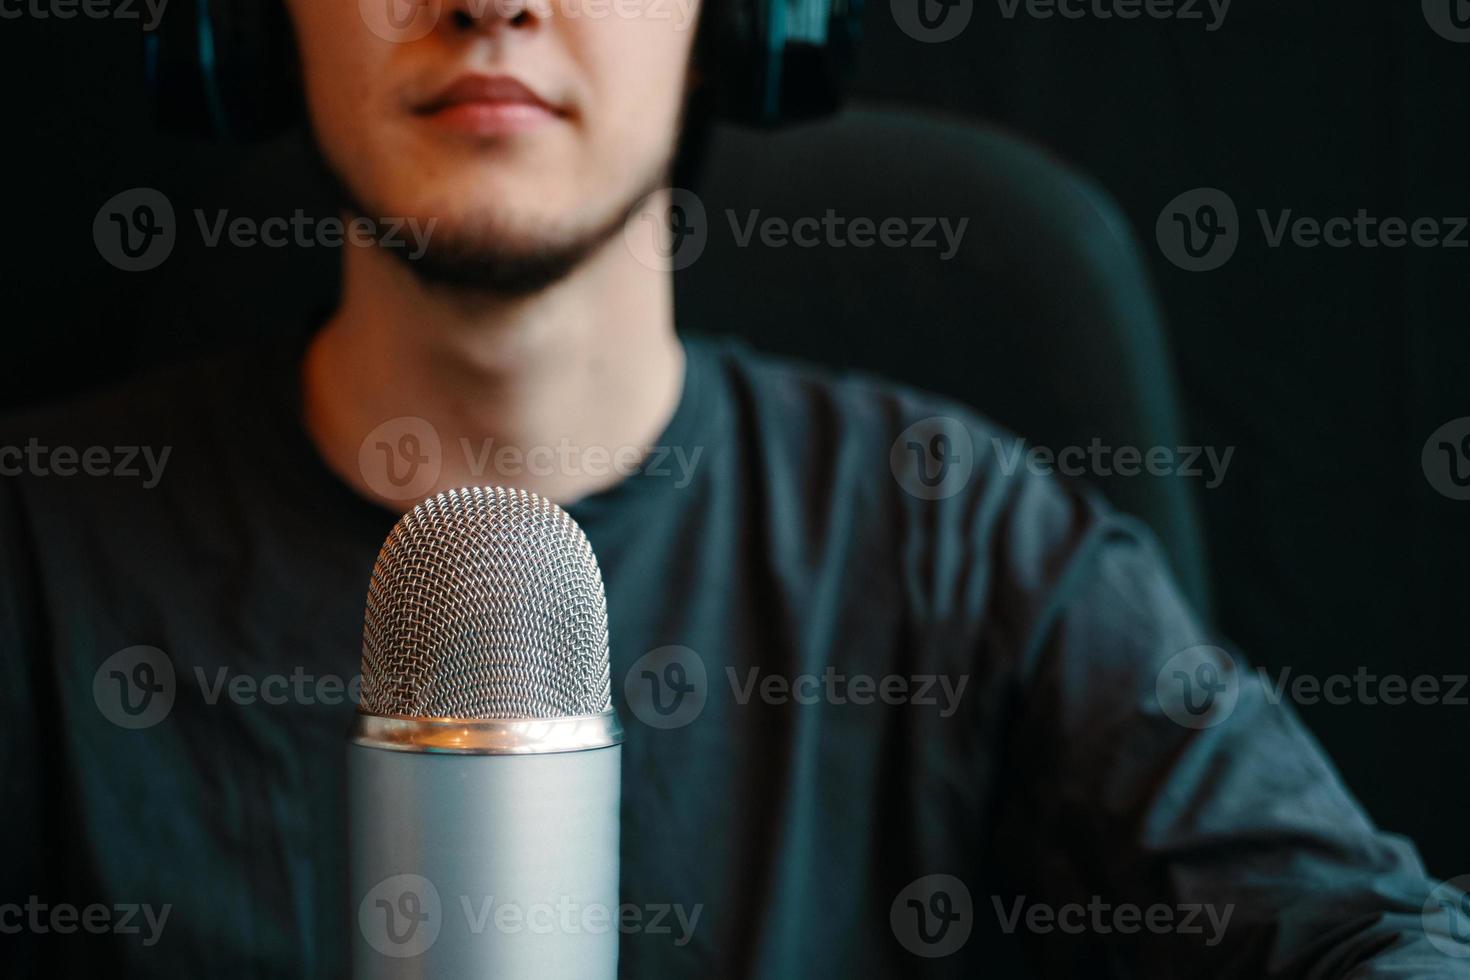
{"x": 1147, "y": 772}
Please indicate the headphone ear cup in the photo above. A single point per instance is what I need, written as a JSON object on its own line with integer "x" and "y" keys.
{"x": 768, "y": 62}
{"x": 225, "y": 69}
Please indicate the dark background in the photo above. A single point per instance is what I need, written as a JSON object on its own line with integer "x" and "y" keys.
{"x": 1327, "y": 369}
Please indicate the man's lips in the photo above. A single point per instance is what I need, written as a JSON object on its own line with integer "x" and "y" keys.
{"x": 488, "y": 105}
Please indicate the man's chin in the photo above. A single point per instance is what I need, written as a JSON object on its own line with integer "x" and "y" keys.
{"x": 516, "y": 254}
{"x": 497, "y": 250}
{"x": 504, "y": 266}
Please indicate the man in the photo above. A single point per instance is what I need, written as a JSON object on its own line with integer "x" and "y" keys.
{"x": 869, "y": 734}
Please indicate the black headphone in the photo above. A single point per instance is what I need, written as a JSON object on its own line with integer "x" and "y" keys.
{"x": 227, "y": 68}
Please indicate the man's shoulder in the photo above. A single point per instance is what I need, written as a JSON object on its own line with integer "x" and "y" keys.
{"x": 910, "y": 463}
{"x": 919, "y": 497}
{"x": 838, "y": 401}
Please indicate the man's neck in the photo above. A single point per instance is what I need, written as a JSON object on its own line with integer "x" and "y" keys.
{"x": 557, "y": 393}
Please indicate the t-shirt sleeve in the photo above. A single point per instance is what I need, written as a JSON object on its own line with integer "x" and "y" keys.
{"x": 1152, "y": 769}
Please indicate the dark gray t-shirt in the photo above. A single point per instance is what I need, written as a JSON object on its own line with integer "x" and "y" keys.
{"x": 869, "y": 734}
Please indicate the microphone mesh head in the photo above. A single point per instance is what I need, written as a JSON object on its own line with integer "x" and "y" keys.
{"x": 486, "y": 603}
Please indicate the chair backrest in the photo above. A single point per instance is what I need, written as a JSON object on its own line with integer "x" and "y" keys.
{"x": 1042, "y": 318}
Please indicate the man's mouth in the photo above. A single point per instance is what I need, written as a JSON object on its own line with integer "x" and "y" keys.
{"x": 488, "y": 105}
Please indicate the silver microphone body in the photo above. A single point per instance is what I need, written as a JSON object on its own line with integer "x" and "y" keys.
{"x": 512, "y": 859}
{"x": 484, "y": 768}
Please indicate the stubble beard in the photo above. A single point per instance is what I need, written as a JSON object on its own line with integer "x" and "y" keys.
{"x": 483, "y": 255}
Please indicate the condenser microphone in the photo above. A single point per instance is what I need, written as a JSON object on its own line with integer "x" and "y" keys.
{"x": 484, "y": 767}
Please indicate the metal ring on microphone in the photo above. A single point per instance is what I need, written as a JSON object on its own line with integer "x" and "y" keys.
{"x": 487, "y": 736}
